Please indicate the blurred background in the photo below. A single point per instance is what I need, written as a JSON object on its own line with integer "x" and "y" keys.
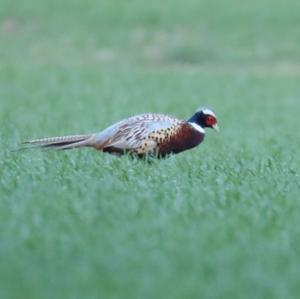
{"x": 168, "y": 56}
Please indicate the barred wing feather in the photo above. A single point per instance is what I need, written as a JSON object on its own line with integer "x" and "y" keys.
{"x": 131, "y": 132}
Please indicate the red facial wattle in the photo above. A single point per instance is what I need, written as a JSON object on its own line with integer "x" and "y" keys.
{"x": 210, "y": 121}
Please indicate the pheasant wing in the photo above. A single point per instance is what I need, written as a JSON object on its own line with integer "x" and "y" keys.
{"x": 130, "y": 133}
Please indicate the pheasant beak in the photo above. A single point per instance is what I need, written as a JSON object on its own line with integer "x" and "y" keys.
{"x": 216, "y": 127}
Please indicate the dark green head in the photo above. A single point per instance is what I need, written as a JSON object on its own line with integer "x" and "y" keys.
{"x": 205, "y": 118}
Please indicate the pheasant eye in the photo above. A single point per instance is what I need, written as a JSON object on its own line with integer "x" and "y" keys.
{"x": 210, "y": 121}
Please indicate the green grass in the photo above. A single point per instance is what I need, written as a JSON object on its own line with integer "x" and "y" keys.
{"x": 219, "y": 221}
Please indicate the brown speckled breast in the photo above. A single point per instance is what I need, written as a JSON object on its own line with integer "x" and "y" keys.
{"x": 185, "y": 138}
{"x": 172, "y": 140}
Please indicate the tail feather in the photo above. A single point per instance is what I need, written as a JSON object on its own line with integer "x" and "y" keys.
{"x": 63, "y": 142}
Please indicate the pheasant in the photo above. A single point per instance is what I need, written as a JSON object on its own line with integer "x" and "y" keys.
{"x": 146, "y": 134}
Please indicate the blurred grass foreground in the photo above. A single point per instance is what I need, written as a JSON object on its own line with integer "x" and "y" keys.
{"x": 219, "y": 221}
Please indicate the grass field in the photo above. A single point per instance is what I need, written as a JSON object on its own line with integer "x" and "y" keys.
{"x": 219, "y": 221}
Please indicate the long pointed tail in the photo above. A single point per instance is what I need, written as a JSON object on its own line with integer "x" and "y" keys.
{"x": 63, "y": 142}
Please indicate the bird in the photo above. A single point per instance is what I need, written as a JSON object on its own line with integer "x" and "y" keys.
{"x": 148, "y": 134}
